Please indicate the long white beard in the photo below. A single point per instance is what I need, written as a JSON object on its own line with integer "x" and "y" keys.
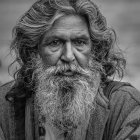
{"x": 65, "y": 102}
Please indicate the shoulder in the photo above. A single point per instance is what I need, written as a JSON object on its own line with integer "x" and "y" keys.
{"x": 123, "y": 100}
{"x": 6, "y": 111}
{"x": 4, "y": 104}
{"x": 125, "y": 91}
{"x": 4, "y": 89}
{"x": 124, "y": 107}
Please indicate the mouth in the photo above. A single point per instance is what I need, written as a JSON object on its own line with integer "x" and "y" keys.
{"x": 68, "y": 73}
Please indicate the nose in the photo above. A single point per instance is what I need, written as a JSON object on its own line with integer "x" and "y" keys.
{"x": 68, "y": 55}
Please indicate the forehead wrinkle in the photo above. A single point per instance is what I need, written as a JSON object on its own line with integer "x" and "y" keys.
{"x": 70, "y": 27}
{"x": 67, "y": 37}
{"x": 62, "y": 32}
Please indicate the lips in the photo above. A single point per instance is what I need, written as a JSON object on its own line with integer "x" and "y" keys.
{"x": 68, "y": 73}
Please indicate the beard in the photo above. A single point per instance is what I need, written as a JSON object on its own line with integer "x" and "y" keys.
{"x": 64, "y": 102}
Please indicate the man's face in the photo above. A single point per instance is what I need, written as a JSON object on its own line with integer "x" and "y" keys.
{"x": 68, "y": 41}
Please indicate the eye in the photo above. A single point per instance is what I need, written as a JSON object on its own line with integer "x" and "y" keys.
{"x": 79, "y": 42}
{"x": 55, "y": 43}
{"x": 52, "y": 45}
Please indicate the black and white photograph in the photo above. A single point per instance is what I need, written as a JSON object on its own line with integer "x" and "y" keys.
{"x": 69, "y": 70}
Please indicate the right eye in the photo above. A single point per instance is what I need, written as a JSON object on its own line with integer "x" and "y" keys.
{"x": 55, "y": 43}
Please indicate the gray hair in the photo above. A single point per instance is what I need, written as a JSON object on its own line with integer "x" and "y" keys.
{"x": 31, "y": 27}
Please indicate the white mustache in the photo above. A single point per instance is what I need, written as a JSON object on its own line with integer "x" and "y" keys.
{"x": 61, "y": 69}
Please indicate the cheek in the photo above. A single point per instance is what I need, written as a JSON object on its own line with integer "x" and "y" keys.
{"x": 82, "y": 58}
{"x": 50, "y": 58}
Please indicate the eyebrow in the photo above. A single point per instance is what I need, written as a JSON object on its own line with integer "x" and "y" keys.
{"x": 84, "y": 37}
{"x": 63, "y": 37}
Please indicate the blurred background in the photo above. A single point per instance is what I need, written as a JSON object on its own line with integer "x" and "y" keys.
{"x": 122, "y": 15}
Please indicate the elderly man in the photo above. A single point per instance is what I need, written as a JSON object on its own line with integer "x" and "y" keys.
{"x": 64, "y": 88}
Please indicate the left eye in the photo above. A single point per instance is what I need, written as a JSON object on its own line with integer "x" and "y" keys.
{"x": 79, "y": 42}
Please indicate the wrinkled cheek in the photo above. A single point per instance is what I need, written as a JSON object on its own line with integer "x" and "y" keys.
{"x": 82, "y": 58}
{"x": 84, "y": 62}
{"x": 50, "y": 60}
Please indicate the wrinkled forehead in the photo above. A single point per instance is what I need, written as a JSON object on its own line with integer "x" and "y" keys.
{"x": 69, "y": 26}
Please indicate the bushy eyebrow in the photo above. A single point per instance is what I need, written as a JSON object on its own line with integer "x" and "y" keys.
{"x": 83, "y": 37}
{"x": 64, "y": 38}
{"x": 51, "y": 38}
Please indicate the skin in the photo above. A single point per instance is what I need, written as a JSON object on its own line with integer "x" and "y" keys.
{"x": 67, "y": 41}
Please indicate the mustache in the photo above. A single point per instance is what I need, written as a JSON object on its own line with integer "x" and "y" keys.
{"x": 61, "y": 69}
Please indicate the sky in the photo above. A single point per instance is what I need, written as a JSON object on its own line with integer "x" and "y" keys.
{"x": 121, "y": 15}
